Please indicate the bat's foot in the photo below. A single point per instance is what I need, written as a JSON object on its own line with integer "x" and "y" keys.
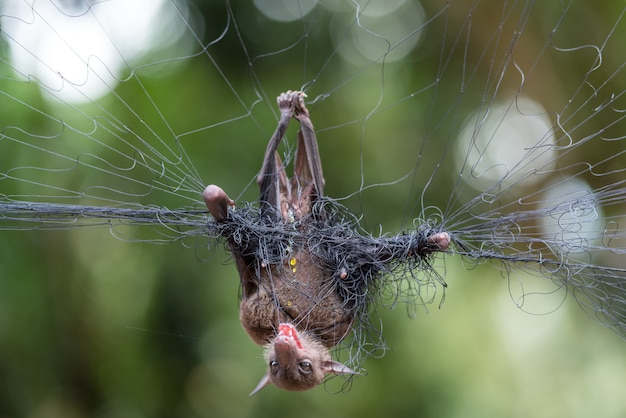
{"x": 292, "y": 103}
{"x": 217, "y": 201}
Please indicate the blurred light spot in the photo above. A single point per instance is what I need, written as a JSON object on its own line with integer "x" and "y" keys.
{"x": 388, "y": 29}
{"x": 78, "y": 51}
{"x": 285, "y": 10}
{"x": 511, "y": 144}
{"x": 381, "y": 8}
{"x": 574, "y": 222}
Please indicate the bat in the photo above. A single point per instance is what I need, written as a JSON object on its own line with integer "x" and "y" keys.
{"x": 306, "y": 276}
{"x": 293, "y": 308}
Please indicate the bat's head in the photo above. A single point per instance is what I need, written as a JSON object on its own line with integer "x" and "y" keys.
{"x": 297, "y": 362}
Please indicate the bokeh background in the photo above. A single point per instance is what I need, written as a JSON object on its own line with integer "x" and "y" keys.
{"x": 91, "y": 325}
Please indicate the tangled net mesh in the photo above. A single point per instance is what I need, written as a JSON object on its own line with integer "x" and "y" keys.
{"x": 366, "y": 271}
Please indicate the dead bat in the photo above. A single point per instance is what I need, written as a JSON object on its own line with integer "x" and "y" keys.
{"x": 301, "y": 295}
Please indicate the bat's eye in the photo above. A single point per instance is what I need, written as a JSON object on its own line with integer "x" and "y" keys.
{"x": 305, "y": 367}
{"x": 274, "y": 366}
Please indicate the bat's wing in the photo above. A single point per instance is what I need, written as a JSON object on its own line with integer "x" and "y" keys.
{"x": 308, "y": 179}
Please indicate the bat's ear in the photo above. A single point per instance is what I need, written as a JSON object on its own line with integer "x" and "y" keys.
{"x": 337, "y": 368}
{"x": 265, "y": 380}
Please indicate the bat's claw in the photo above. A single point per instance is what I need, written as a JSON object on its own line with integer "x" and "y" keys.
{"x": 292, "y": 103}
{"x": 439, "y": 240}
{"x": 217, "y": 201}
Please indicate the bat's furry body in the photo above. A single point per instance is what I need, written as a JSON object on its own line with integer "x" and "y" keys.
{"x": 304, "y": 294}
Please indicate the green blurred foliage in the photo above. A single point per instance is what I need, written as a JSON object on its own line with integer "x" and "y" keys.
{"x": 94, "y": 326}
